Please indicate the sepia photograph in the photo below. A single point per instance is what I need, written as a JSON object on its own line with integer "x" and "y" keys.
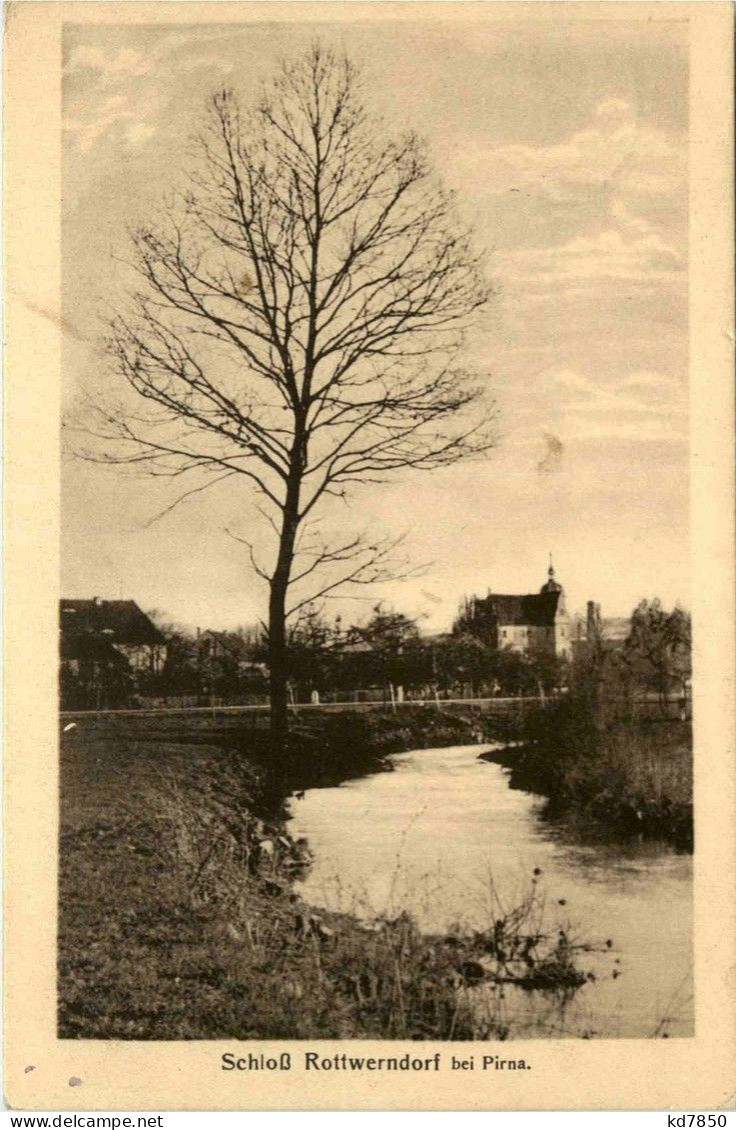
{"x": 375, "y": 634}
{"x": 378, "y": 628}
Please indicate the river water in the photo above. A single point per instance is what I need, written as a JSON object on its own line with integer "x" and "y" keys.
{"x": 443, "y": 836}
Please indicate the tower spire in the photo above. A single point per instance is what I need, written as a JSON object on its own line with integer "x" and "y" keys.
{"x": 551, "y": 584}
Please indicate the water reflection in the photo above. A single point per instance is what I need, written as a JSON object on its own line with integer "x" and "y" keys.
{"x": 444, "y": 835}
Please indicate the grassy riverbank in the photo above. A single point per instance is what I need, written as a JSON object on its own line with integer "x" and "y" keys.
{"x": 178, "y": 918}
{"x": 629, "y": 777}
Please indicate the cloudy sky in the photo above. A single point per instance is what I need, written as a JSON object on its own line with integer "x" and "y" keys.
{"x": 567, "y": 144}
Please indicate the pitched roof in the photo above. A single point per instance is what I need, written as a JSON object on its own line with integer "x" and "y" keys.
{"x": 92, "y": 647}
{"x": 532, "y": 609}
{"x": 121, "y": 621}
{"x": 230, "y": 642}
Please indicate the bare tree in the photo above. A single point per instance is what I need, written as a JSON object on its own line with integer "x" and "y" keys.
{"x": 297, "y": 325}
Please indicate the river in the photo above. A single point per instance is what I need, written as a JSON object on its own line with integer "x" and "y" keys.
{"x": 443, "y": 835}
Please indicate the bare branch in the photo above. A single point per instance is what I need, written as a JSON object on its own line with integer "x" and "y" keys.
{"x": 257, "y": 569}
{"x": 187, "y": 494}
{"x": 371, "y": 561}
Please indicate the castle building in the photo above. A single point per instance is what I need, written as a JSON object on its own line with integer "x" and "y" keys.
{"x": 530, "y": 623}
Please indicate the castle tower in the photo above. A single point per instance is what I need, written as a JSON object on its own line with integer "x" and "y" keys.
{"x": 551, "y": 585}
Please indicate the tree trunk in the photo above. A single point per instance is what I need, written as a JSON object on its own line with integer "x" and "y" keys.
{"x": 279, "y": 725}
{"x": 277, "y": 650}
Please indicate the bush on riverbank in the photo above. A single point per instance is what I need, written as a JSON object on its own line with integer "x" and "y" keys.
{"x": 178, "y": 919}
{"x": 632, "y": 776}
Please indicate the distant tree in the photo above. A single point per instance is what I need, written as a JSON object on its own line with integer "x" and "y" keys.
{"x": 547, "y": 671}
{"x": 180, "y": 673}
{"x": 296, "y": 327}
{"x": 253, "y": 642}
{"x": 476, "y": 618}
{"x": 313, "y": 651}
{"x": 462, "y": 659}
{"x": 658, "y": 649}
{"x": 391, "y": 652}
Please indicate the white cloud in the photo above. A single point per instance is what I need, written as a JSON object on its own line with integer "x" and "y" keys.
{"x": 88, "y": 121}
{"x": 615, "y": 152}
{"x": 652, "y": 430}
{"x": 110, "y": 65}
{"x": 627, "y": 219}
{"x": 613, "y": 108}
{"x": 138, "y": 132}
{"x": 112, "y": 88}
{"x": 169, "y": 52}
{"x": 657, "y": 394}
{"x": 652, "y": 382}
{"x": 211, "y": 61}
{"x": 575, "y": 407}
{"x": 624, "y": 177}
{"x": 603, "y": 256}
{"x": 638, "y": 393}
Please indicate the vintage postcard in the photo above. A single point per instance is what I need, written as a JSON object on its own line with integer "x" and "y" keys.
{"x": 369, "y": 556}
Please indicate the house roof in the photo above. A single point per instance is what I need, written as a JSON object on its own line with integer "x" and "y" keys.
{"x": 121, "y": 621}
{"x": 536, "y": 610}
{"x": 92, "y": 647}
{"x": 232, "y": 643}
